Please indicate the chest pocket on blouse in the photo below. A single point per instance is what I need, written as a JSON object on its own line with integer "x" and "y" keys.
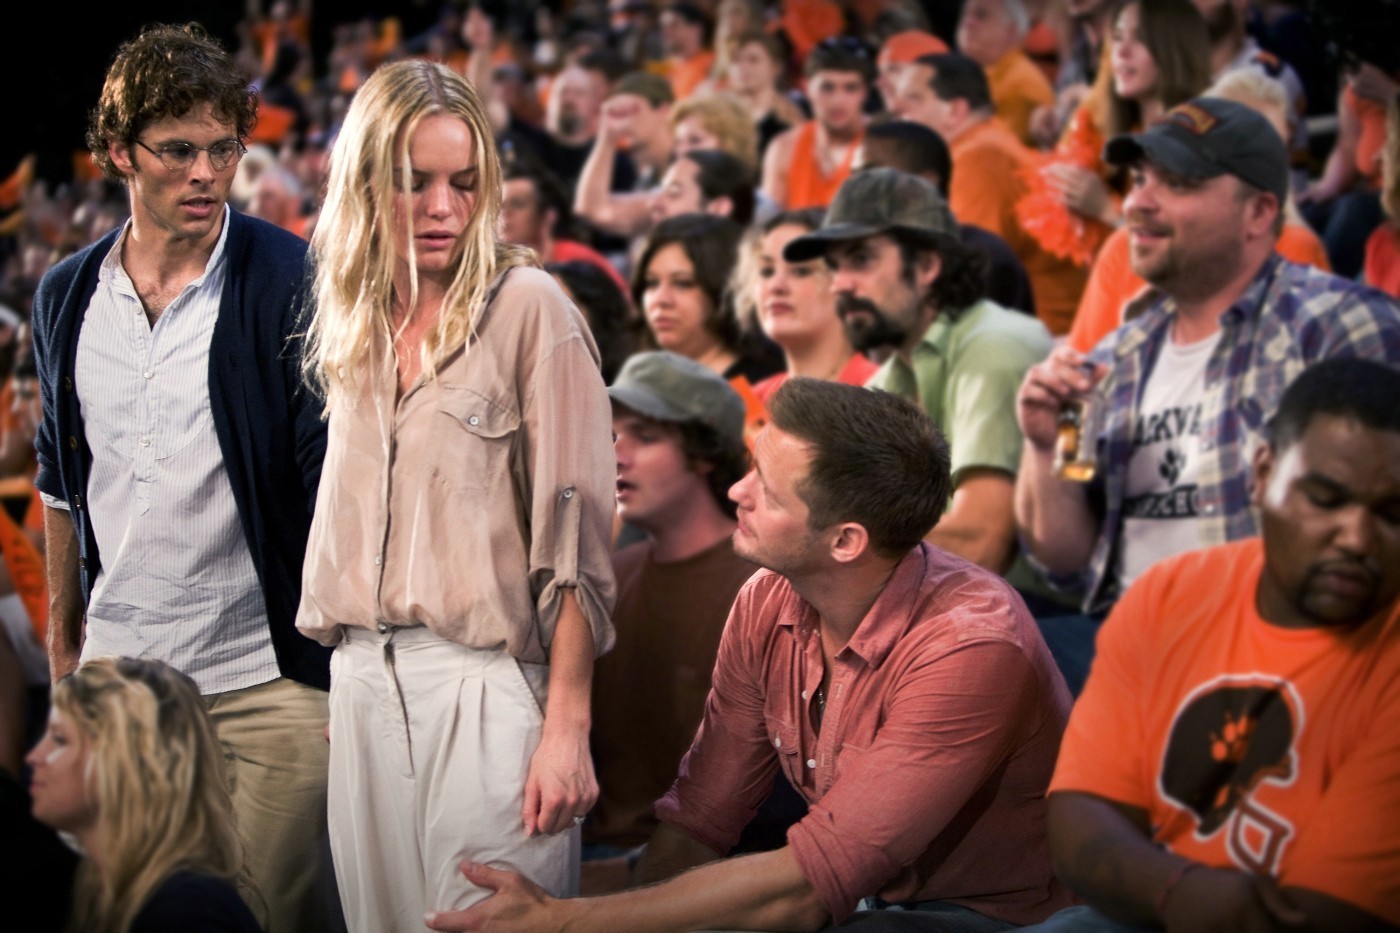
{"x": 475, "y": 437}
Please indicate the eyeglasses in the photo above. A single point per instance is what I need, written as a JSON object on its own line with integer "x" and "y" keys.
{"x": 180, "y": 156}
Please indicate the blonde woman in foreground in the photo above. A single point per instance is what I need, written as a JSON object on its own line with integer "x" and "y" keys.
{"x": 459, "y": 556}
{"x": 131, "y": 770}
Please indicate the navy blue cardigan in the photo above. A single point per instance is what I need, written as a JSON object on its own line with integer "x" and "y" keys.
{"x": 268, "y": 422}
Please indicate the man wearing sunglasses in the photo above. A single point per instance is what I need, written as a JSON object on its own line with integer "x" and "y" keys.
{"x": 179, "y": 452}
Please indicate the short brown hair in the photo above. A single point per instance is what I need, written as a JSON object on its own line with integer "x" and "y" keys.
{"x": 877, "y": 460}
{"x": 167, "y": 71}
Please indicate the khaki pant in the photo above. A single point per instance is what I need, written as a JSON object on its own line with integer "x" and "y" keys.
{"x": 430, "y": 744}
{"x": 275, "y": 748}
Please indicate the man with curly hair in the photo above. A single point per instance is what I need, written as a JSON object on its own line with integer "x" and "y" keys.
{"x": 907, "y": 287}
{"x": 179, "y": 451}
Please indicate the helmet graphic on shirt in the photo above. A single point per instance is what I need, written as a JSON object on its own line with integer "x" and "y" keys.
{"x": 1225, "y": 741}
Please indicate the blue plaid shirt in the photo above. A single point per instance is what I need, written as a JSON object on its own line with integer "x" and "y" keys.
{"x": 1289, "y": 316}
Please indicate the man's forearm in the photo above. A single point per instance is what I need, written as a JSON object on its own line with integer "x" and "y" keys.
{"x": 979, "y": 524}
{"x": 669, "y": 852}
{"x": 1053, "y": 515}
{"x": 763, "y": 891}
{"x": 66, "y": 607}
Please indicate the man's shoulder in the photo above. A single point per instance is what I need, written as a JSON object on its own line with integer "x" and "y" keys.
{"x": 990, "y": 336}
{"x": 1301, "y": 294}
{"x": 268, "y": 246}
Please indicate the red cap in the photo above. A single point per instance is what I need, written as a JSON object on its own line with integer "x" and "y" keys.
{"x": 909, "y": 45}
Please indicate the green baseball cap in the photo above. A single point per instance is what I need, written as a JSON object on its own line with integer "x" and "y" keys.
{"x": 879, "y": 200}
{"x": 669, "y": 387}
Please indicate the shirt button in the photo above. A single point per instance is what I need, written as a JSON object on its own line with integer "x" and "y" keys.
{"x": 1210, "y": 510}
{"x": 148, "y": 374}
{"x": 383, "y": 627}
{"x": 378, "y": 559}
{"x": 811, "y": 762}
{"x": 568, "y": 494}
{"x": 145, "y": 441}
{"x": 67, "y": 384}
{"x": 473, "y": 421}
{"x": 777, "y": 742}
{"x": 804, "y": 694}
{"x": 72, "y": 442}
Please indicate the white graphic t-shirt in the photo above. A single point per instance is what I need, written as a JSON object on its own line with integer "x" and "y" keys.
{"x": 1161, "y": 498}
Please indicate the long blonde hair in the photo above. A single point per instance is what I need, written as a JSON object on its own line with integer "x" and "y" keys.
{"x": 353, "y": 243}
{"x": 156, "y": 775}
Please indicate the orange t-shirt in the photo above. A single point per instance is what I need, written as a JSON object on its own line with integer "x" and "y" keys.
{"x": 688, "y": 74}
{"x": 1382, "y": 269}
{"x": 1113, "y": 283}
{"x": 1042, "y": 46}
{"x": 1249, "y": 746}
{"x": 1018, "y": 87}
{"x": 988, "y": 166}
{"x": 806, "y": 185}
{"x": 1371, "y": 115}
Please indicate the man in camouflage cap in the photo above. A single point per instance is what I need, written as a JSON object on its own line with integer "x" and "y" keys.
{"x": 906, "y": 286}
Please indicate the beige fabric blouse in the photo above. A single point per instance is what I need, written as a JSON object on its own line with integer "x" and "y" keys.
{"x": 469, "y": 504}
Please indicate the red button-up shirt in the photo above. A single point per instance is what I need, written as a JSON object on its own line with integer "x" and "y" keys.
{"x": 927, "y": 780}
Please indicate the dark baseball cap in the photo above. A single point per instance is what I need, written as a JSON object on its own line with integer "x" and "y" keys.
{"x": 1207, "y": 137}
{"x": 879, "y": 200}
{"x": 669, "y": 387}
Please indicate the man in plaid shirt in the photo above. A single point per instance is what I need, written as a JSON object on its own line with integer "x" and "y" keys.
{"x": 1186, "y": 385}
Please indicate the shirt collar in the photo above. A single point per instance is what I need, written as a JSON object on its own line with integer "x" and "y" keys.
{"x": 112, "y": 269}
{"x": 892, "y": 613}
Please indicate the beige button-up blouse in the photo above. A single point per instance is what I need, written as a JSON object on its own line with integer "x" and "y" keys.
{"x": 471, "y": 502}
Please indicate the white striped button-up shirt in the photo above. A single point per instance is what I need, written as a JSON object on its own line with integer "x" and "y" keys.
{"x": 177, "y": 581}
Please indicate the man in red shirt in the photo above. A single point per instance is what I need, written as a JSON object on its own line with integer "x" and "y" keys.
{"x": 904, "y": 692}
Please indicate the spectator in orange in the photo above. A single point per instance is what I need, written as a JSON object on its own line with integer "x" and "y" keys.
{"x": 1244, "y": 691}
{"x": 898, "y": 52}
{"x": 949, "y": 94}
{"x": 1343, "y": 205}
{"x": 1112, "y": 281}
{"x": 1383, "y": 247}
{"x": 990, "y": 32}
{"x": 1158, "y": 56}
{"x": 794, "y": 305}
{"x": 685, "y": 35}
{"x": 805, "y": 165}
{"x": 808, "y": 23}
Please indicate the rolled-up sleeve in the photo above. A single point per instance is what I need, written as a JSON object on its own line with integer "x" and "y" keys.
{"x": 567, "y": 438}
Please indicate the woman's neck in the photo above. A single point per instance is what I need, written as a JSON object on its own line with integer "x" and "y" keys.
{"x": 1150, "y": 109}
{"x": 820, "y": 358}
{"x": 717, "y": 358}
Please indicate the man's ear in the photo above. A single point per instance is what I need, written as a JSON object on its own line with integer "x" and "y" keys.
{"x": 927, "y": 265}
{"x": 121, "y": 158}
{"x": 721, "y": 206}
{"x": 851, "y": 541}
{"x": 1263, "y": 469}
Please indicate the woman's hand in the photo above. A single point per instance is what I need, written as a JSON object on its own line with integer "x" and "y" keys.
{"x": 560, "y": 785}
{"x": 1082, "y": 191}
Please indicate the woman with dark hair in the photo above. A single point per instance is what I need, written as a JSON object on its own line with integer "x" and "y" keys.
{"x": 1157, "y": 56}
{"x": 681, "y": 284}
{"x": 607, "y": 309}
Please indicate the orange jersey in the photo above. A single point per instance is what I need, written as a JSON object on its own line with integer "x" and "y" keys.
{"x": 1249, "y": 746}
{"x": 1382, "y": 268}
{"x": 806, "y": 185}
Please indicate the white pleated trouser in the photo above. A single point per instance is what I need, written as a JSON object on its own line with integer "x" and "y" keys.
{"x": 430, "y": 742}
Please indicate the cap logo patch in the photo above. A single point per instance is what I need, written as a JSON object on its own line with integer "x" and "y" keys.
{"x": 1193, "y": 119}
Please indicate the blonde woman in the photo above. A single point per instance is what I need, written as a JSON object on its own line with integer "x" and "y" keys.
{"x": 459, "y": 556}
{"x": 131, "y": 770}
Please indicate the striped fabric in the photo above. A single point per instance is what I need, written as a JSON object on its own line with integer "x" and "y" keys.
{"x": 177, "y": 581}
